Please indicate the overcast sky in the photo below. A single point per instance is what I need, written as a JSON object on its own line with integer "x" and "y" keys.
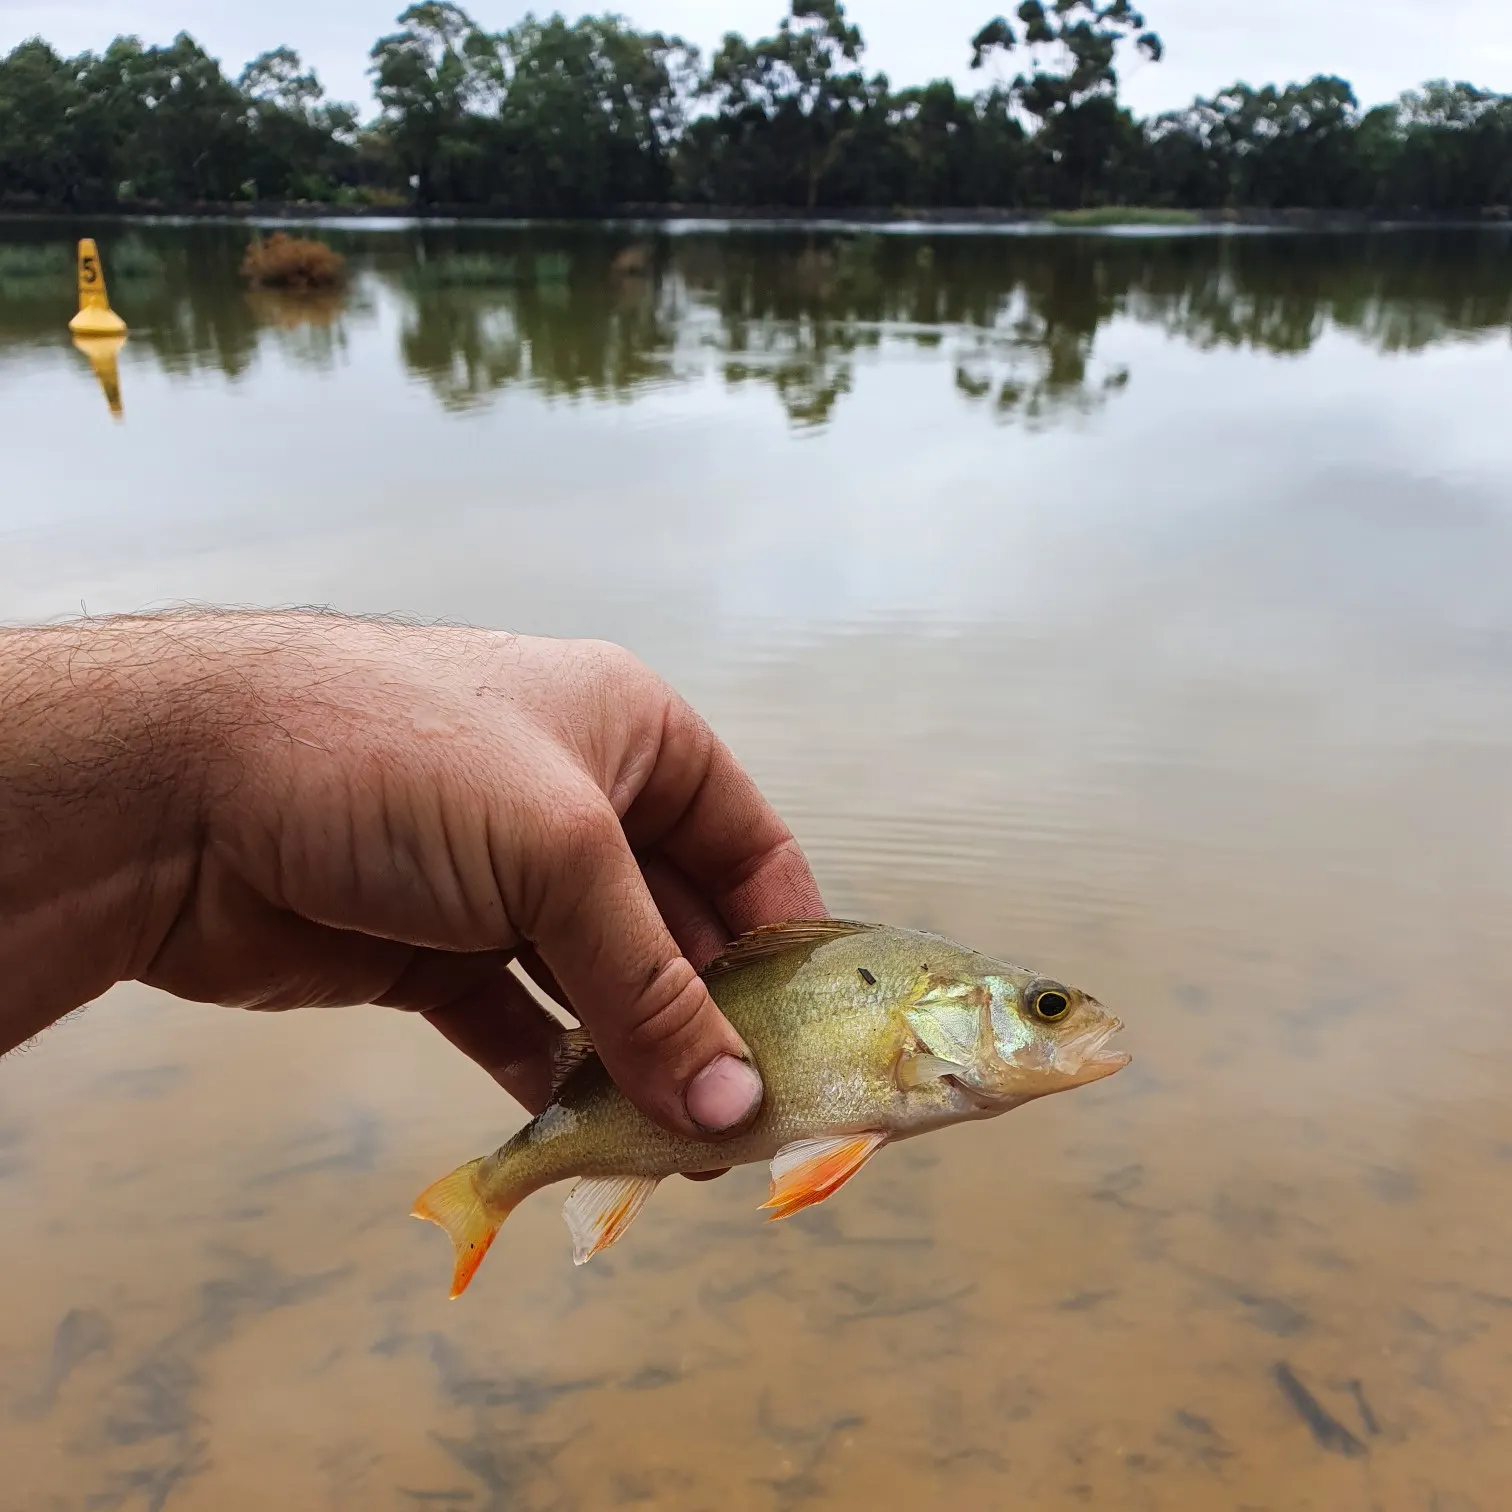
{"x": 1381, "y": 46}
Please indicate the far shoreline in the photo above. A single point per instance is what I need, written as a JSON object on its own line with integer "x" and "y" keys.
{"x": 676, "y": 219}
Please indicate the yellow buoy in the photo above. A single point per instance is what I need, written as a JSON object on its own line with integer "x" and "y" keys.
{"x": 102, "y": 352}
{"x": 95, "y": 317}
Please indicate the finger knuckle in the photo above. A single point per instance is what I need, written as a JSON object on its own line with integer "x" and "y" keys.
{"x": 585, "y": 830}
{"x": 671, "y": 1013}
{"x": 609, "y": 657}
{"x": 618, "y": 672}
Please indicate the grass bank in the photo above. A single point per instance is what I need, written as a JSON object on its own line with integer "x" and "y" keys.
{"x": 1122, "y": 215}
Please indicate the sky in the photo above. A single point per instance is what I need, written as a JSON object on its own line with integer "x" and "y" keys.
{"x": 1382, "y": 47}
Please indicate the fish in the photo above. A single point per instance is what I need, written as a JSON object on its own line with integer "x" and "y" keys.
{"x": 864, "y": 1035}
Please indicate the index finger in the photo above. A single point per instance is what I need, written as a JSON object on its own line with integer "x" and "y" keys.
{"x": 701, "y": 809}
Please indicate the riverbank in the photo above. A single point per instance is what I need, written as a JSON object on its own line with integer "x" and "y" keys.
{"x": 1111, "y": 217}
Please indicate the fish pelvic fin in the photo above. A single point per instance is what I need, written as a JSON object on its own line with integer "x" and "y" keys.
{"x": 807, "y": 1171}
{"x": 455, "y": 1204}
{"x": 599, "y": 1209}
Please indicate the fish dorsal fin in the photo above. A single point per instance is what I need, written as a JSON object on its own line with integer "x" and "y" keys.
{"x": 572, "y": 1048}
{"x": 777, "y": 939}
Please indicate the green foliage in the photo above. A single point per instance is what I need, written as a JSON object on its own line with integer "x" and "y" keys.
{"x": 42, "y": 150}
{"x": 1121, "y": 215}
{"x": 300, "y": 145}
{"x": 1073, "y": 48}
{"x": 790, "y": 104}
{"x": 164, "y": 124}
{"x": 466, "y": 270}
{"x": 429, "y": 78}
{"x": 46, "y": 261}
{"x": 589, "y": 114}
{"x": 584, "y": 118}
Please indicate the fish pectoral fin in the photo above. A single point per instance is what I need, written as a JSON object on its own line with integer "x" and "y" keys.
{"x": 948, "y": 1030}
{"x": 572, "y": 1048}
{"x": 809, "y": 1170}
{"x": 920, "y": 1070}
{"x": 455, "y": 1204}
{"x": 599, "y": 1209}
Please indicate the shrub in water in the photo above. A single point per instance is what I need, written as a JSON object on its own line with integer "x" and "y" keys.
{"x": 288, "y": 262}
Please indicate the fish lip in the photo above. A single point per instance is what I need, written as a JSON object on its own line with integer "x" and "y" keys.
{"x": 1095, "y": 1059}
{"x": 1095, "y": 1068}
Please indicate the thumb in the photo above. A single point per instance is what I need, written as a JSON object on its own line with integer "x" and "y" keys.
{"x": 659, "y": 1033}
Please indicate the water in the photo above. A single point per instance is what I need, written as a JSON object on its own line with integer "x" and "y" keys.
{"x": 1135, "y": 608}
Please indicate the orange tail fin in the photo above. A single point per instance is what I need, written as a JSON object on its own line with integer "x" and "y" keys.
{"x": 455, "y": 1204}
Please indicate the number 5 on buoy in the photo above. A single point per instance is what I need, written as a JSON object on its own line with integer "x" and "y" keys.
{"x": 95, "y": 317}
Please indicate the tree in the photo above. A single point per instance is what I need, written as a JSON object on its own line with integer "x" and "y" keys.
{"x": 1071, "y": 90}
{"x": 427, "y": 79}
{"x": 958, "y": 151}
{"x": 171, "y": 123}
{"x": 590, "y": 113}
{"x": 301, "y": 145}
{"x": 40, "y": 99}
{"x": 1454, "y": 148}
{"x": 1083, "y": 37}
{"x": 278, "y": 80}
{"x": 796, "y": 94}
{"x": 1275, "y": 147}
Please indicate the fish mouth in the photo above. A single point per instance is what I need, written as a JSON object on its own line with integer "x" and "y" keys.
{"x": 1088, "y": 1058}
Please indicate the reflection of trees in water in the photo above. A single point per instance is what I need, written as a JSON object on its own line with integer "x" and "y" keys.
{"x": 464, "y": 345}
{"x": 1281, "y": 293}
{"x": 1016, "y": 327}
{"x": 579, "y": 334}
{"x": 193, "y": 315}
{"x": 1025, "y": 381}
{"x": 1015, "y": 321}
{"x": 185, "y": 302}
{"x": 798, "y": 316}
{"x": 309, "y": 328}
{"x": 1034, "y": 355}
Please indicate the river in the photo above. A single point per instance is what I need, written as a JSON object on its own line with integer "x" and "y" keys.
{"x": 1131, "y": 606}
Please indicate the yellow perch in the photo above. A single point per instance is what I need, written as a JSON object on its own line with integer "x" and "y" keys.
{"x": 863, "y": 1035}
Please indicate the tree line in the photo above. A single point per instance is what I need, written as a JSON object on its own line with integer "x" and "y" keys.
{"x": 582, "y": 118}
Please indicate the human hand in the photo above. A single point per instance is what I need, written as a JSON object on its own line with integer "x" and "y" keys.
{"x": 370, "y": 812}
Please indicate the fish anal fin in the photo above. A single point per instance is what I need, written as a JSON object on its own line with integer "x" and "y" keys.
{"x": 809, "y": 1170}
{"x": 778, "y": 939}
{"x": 572, "y": 1048}
{"x": 599, "y": 1209}
{"x": 455, "y": 1205}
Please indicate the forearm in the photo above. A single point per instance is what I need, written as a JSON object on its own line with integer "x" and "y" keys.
{"x": 99, "y": 803}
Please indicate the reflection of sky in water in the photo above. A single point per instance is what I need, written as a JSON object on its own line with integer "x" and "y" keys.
{"x": 1294, "y": 498}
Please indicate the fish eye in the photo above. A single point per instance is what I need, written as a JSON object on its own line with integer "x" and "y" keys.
{"x": 1049, "y": 1002}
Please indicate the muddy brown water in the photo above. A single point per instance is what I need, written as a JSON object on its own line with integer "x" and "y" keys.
{"x": 1136, "y": 608}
